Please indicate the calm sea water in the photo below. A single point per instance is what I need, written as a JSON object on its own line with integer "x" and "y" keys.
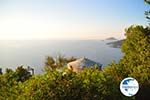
{"x": 33, "y": 52}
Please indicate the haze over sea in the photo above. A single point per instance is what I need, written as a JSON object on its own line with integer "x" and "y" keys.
{"x": 33, "y": 52}
{"x": 28, "y": 29}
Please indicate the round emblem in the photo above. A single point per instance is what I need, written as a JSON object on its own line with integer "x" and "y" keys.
{"x": 129, "y": 86}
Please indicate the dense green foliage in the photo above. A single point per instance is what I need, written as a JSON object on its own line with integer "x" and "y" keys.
{"x": 10, "y": 81}
{"x": 136, "y": 60}
{"x": 90, "y": 84}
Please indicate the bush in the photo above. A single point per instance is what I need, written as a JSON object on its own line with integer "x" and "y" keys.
{"x": 91, "y": 84}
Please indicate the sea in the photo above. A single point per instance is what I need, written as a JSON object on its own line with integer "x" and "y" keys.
{"x": 33, "y": 53}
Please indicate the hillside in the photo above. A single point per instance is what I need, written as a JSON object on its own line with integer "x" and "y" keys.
{"x": 116, "y": 44}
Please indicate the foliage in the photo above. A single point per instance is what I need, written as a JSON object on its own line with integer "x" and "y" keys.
{"x": 147, "y": 1}
{"x": 136, "y": 47}
{"x": 136, "y": 60}
{"x": 9, "y": 82}
{"x": 147, "y": 13}
{"x": 56, "y": 63}
{"x": 91, "y": 84}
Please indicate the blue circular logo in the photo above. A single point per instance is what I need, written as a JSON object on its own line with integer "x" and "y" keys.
{"x": 129, "y": 86}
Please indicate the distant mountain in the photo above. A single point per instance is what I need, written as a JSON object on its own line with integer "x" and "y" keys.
{"x": 111, "y": 38}
{"x": 116, "y": 44}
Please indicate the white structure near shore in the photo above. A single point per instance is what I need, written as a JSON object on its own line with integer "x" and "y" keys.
{"x": 79, "y": 64}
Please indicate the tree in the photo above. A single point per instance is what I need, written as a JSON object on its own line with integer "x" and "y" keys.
{"x": 136, "y": 46}
{"x": 136, "y": 60}
{"x": 22, "y": 74}
{"x": 50, "y": 63}
{"x": 147, "y": 13}
{"x": 19, "y": 75}
{"x": 10, "y": 82}
{"x": 147, "y": 1}
{"x": 56, "y": 63}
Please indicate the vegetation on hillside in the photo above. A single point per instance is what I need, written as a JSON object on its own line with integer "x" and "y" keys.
{"x": 90, "y": 84}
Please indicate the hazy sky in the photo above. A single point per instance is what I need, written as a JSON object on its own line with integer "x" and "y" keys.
{"x": 68, "y": 19}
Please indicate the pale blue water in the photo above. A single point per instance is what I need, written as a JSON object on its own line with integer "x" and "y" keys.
{"x": 33, "y": 52}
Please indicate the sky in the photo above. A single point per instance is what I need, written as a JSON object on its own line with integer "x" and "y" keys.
{"x": 69, "y": 19}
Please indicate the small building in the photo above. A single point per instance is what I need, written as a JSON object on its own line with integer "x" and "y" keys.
{"x": 79, "y": 64}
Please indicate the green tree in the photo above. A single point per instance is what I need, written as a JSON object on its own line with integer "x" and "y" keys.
{"x": 50, "y": 63}
{"x": 9, "y": 83}
{"x": 147, "y": 13}
{"x": 22, "y": 74}
{"x": 56, "y": 63}
{"x": 136, "y": 46}
{"x": 136, "y": 60}
{"x": 147, "y": 1}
